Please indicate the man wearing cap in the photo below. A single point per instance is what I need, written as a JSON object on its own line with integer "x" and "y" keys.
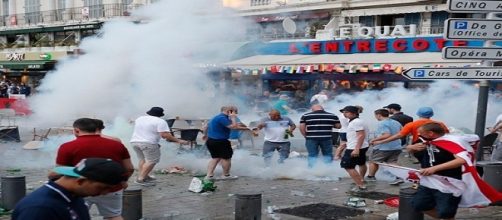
{"x": 356, "y": 147}
{"x": 396, "y": 114}
{"x": 145, "y": 140}
{"x": 90, "y": 143}
{"x": 63, "y": 199}
{"x": 424, "y": 114}
{"x": 316, "y": 126}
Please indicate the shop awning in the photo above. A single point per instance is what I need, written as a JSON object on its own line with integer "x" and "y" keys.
{"x": 407, "y": 60}
{"x": 27, "y": 64}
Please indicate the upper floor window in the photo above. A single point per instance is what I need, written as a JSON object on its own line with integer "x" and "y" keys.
{"x": 61, "y": 4}
{"x": 96, "y": 9}
{"x": 32, "y": 11}
{"x": 438, "y": 18}
{"x": 412, "y": 18}
{"x": 367, "y": 21}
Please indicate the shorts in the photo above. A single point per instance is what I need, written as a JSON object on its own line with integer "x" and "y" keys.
{"x": 343, "y": 136}
{"x": 219, "y": 148}
{"x": 109, "y": 205}
{"x": 387, "y": 156}
{"x": 427, "y": 199}
{"x": 148, "y": 152}
{"x": 349, "y": 162}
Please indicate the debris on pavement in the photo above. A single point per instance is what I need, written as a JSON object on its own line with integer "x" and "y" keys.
{"x": 200, "y": 185}
{"x": 173, "y": 170}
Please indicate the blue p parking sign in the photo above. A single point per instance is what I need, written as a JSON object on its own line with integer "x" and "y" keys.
{"x": 419, "y": 73}
{"x": 461, "y": 25}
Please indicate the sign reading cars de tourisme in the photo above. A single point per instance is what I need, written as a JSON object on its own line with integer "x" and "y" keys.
{"x": 474, "y": 6}
{"x": 473, "y": 29}
{"x": 464, "y": 73}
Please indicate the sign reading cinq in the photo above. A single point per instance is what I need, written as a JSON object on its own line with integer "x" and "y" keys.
{"x": 474, "y": 6}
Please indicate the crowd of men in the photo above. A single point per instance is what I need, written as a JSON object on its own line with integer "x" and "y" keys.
{"x": 97, "y": 167}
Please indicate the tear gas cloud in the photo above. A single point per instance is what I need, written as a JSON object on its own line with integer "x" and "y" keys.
{"x": 131, "y": 67}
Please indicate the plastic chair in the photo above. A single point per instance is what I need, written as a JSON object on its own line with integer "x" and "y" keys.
{"x": 487, "y": 142}
{"x": 190, "y": 135}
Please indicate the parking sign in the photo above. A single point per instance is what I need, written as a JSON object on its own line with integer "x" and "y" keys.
{"x": 461, "y": 25}
{"x": 419, "y": 73}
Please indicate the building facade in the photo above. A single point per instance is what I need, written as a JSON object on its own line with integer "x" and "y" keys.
{"x": 34, "y": 34}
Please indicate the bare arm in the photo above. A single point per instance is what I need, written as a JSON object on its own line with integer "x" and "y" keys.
{"x": 292, "y": 127}
{"x": 303, "y": 129}
{"x": 389, "y": 139}
{"x": 381, "y": 137}
{"x": 169, "y": 137}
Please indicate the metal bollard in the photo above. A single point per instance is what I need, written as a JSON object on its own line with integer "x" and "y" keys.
{"x": 493, "y": 175}
{"x": 13, "y": 190}
{"x": 248, "y": 206}
{"x": 132, "y": 204}
{"x": 406, "y": 211}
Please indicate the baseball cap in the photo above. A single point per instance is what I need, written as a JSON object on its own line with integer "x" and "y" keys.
{"x": 393, "y": 106}
{"x": 425, "y": 112}
{"x": 97, "y": 169}
{"x": 350, "y": 108}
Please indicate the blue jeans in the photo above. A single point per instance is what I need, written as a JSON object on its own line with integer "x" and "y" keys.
{"x": 270, "y": 147}
{"x": 313, "y": 146}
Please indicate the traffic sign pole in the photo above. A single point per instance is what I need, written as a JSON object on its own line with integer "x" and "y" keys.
{"x": 483, "y": 100}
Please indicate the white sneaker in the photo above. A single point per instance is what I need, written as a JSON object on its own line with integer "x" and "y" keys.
{"x": 209, "y": 178}
{"x": 150, "y": 178}
{"x": 397, "y": 182}
{"x": 357, "y": 189}
{"x": 229, "y": 177}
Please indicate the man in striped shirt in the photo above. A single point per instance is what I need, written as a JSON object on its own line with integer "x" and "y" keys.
{"x": 316, "y": 127}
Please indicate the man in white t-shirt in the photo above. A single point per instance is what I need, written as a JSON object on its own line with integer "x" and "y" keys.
{"x": 148, "y": 130}
{"x": 320, "y": 98}
{"x": 497, "y": 151}
{"x": 277, "y": 130}
{"x": 356, "y": 147}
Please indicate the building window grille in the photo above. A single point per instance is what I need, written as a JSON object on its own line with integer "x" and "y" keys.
{"x": 96, "y": 9}
{"x": 367, "y": 21}
{"x": 5, "y": 12}
{"x": 412, "y": 18}
{"x": 32, "y": 11}
{"x": 260, "y": 2}
{"x": 61, "y": 4}
{"x": 437, "y": 21}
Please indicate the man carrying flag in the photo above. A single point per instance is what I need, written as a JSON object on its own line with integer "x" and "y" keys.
{"x": 447, "y": 157}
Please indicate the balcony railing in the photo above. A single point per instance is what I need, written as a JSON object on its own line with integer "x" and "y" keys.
{"x": 69, "y": 14}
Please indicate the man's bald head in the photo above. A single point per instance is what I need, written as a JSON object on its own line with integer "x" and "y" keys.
{"x": 274, "y": 115}
{"x": 316, "y": 107}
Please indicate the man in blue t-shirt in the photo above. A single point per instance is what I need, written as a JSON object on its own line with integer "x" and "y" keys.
{"x": 217, "y": 134}
{"x": 387, "y": 152}
{"x": 63, "y": 198}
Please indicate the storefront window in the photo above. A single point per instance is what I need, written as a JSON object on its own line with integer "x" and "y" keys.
{"x": 64, "y": 38}
{"x": 40, "y": 40}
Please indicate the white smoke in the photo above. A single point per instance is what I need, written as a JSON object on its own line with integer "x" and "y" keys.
{"x": 132, "y": 66}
